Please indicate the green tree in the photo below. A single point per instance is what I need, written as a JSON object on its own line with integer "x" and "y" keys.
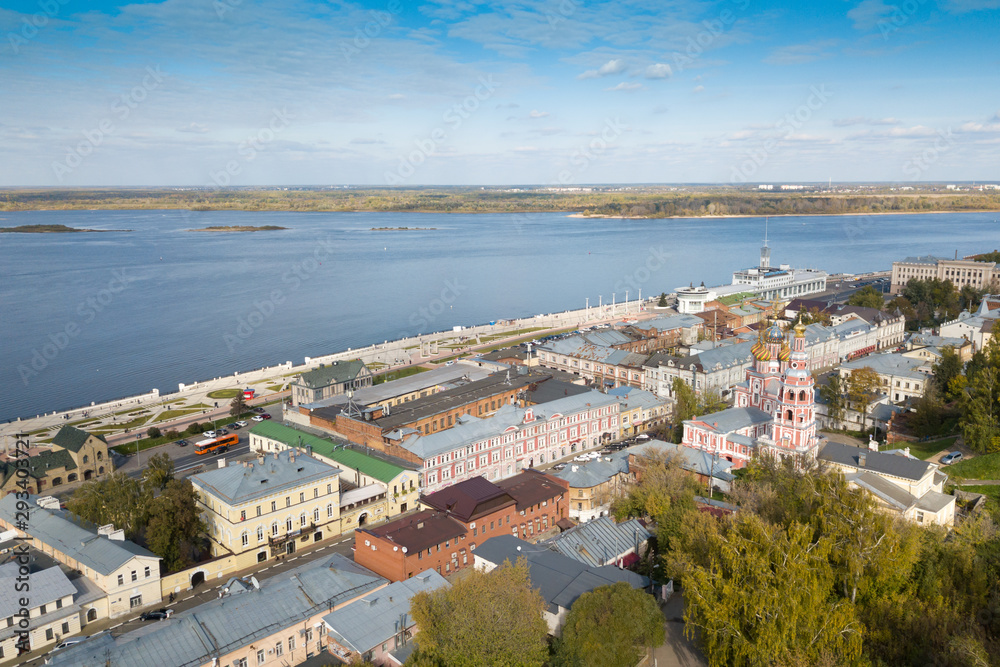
{"x": 832, "y": 392}
{"x": 609, "y": 626}
{"x": 685, "y": 406}
{"x": 153, "y": 432}
{"x": 159, "y": 471}
{"x": 482, "y": 620}
{"x": 175, "y": 524}
{"x": 238, "y": 405}
{"x": 980, "y": 404}
{"x": 662, "y": 303}
{"x": 867, "y": 297}
{"x": 117, "y": 499}
{"x": 929, "y": 412}
{"x": 663, "y": 491}
{"x": 194, "y": 428}
{"x": 759, "y": 594}
{"x": 945, "y": 370}
{"x": 862, "y": 388}
{"x": 711, "y": 401}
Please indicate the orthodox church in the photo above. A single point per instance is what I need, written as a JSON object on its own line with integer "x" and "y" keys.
{"x": 774, "y": 408}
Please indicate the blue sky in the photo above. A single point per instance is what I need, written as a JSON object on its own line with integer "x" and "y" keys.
{"x": 393, "y": 92}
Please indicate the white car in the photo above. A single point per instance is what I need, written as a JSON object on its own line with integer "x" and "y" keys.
{"x": 242, "y": 424}
{"x": 208, "y": 434}
{"x": 257, "y": 418}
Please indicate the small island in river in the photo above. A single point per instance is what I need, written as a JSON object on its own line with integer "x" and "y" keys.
{"x": 403, "y": 229}
{"x": 52, "y": 229}
{"x": 239, "y": 228}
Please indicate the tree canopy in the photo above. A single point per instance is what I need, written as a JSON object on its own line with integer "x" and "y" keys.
{"x": 867, "y": 297}
{"x": 609, "y": 627}
{"x": 980, "y": 401}
{"x": 482, "y": 620}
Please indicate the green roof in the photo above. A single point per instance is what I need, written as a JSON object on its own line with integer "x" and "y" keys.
{"x": 40, "y": 464}
{"x": 293, "y": 437}
{"x": 334, "y": 373}
{"x": 72, "y": 438}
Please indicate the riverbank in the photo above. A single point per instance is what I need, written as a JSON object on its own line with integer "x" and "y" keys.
{"x": 121, "y": 420}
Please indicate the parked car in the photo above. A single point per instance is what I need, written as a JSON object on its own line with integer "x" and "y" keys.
{"x": 234, "y": 426}
{"x": 65, "y": 644}
{"x": 266, "y": 416}
{"x": 953, "y": 457}
{"x": 222, "y": 431}
{"x": 258, "y": 410}
{"x": 257, "y": 418}
{"x": 157, "y": 615}
{"x": 181, "y": 443}
{"x": 209, "y": 434}
{"x": 242, "y": 424}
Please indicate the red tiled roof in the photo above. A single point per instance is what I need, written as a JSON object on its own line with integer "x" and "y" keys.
{"x": 531, "y": 487}
{"x": 469, "y": 499}
{"x": 419, "y": 531}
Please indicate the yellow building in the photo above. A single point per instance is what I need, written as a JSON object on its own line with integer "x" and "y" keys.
{"x": 74, "y": 455}
{"x": 258, "y": 510}
{"x": 399, "y": 489}
{"x": 126, "y": 576}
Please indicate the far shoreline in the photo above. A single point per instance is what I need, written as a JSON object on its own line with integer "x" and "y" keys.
{"x": 771, "y": 215}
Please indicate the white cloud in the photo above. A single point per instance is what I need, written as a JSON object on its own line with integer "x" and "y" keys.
{"x": 658, "y": 71}
{"x": 796, "y": 54}
{"x": 698, "y": 89}
{"x": 614, "y": 66}
{"x": 868, "y": 13}
{"x": 535, "y": 113}
{"x": 625, "y": 87}
{"x": 862, "y": 120}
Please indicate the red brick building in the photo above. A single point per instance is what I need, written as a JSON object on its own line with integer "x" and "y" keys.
{"x": 459, "y": 517}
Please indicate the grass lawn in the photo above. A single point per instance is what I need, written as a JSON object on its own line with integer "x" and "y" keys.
{"x": 174, "y": 414}
{"x": 980, "y": 467}
{"x": 276, "y": 387}
{"x": 992, "y": 494}
{"x": 225, "y": 393}
{"x": 925, "y": 450}
{"x": 395, "y": 375}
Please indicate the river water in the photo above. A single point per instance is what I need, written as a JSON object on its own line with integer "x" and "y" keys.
{"x": 93, "y": 317}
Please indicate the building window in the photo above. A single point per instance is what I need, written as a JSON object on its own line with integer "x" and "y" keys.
{"x": 240, "y": 662}
{"x": 49, "y": 635}
{"x": 316, "y": 492}
{"x": 288, "y": 524}
{"x": 146, "y": 572}
{"x": 302, "y": 497}
{"x": 258, "y": 510}
{"x": 261, "y": 657}
{"x": 279, "y": 648}
{"x": 135, "y": 576}
{"x": 243, "y": 515}
{"x": 245, "y": 538}
{"x": 135, "y": 601}
{"x": 121, "y": 579}
{"x": 329, "y": 510}
{"x": 316, "y": 515}
{"x": 274, "y": 505}
{"x": 288, "y": 501}
{"x": 260, "y": 533}
{"x": 302, "y": 519}
{"x": 274, "y": 529}
{"x": 291, "y": 643}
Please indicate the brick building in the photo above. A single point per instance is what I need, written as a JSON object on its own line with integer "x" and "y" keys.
{"x": 443, "y": 537}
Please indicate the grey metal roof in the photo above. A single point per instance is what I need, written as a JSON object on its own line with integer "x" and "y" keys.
{"x": 668, "y": 323}
{"x": 722, "y": 356}
{"x": 887, "y": 464}
{"x": 632, "y": 398}
{"x": 600, "y": 541}
{"x": 889, "y": 364}
{"x": 217, "y": 627}
{"x": 699, "y": 461}
{"x": 559, "y": 579}
{"x": 593, "y": 473}
{"x": 237, "y": 484}
{"x": 74, "y": 537}
{"x": 922, "y": 259}
{"x": 375, "y": 618}
{"x": 45, "y": 586}
{"x": 882, "y": 488}
{"x": 733, "y": 419}
{"x": 932, "y": 501}
{"x": 444, "y": 377}
{"x": 472, "y": 429}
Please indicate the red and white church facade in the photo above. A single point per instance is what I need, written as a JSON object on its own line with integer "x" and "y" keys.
{"x": 774, "y": 408}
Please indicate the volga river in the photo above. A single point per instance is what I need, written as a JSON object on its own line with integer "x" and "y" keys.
{"x": 92, "y": 317}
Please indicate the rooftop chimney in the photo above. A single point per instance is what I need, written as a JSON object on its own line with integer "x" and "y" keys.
{"x": 862, "y": 457}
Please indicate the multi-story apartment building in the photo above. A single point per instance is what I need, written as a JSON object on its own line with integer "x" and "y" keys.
{"x": 48, "y": 600}
{"x": 719, "y": 369}
{"x": 959, "y": 272}
{"x": 459, "y": 518}
{"x": 127, "y": 576}
{"x": 261, "y": 509}
{"x": 901, "y": 377}
{"x": 661, "y": 333}
{"x": 597, "y": 358}
{"x": 513, "y": 439}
